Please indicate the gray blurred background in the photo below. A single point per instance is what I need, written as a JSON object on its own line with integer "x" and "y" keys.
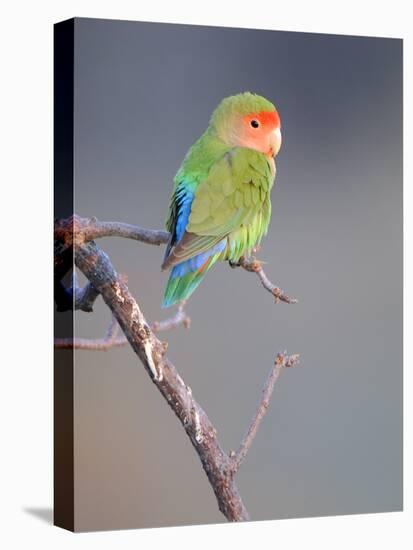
{"x": 332, "y": 440}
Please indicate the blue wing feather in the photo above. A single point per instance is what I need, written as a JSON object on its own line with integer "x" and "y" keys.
{"x": 184, "y": 198}
{"x": 185, "y": 276}
{"x": 180, "y": 211}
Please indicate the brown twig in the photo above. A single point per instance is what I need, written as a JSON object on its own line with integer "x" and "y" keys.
{"x": 255, "y": 266}
{"x": 125, "y": 230}
{"x": 282, "y": 360}
{"x": 112, "y": 340}
{"x": 180, "y": 318}
{"x": 85, "y": 297}
{"x": 74, "y": 297}
{"x": 88, "y": 229}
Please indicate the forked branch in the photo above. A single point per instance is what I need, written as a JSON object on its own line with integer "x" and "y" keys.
{"x": 74, "y": 240}
{"x": 282, "y": 360}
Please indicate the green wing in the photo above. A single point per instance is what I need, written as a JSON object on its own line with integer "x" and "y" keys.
{"x": 234, "y": 192}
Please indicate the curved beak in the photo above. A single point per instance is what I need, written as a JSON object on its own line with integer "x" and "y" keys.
{"x": 275, "y": 141}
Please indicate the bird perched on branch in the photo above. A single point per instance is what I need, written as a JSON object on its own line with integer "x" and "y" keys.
{"x": 220, "y": 207}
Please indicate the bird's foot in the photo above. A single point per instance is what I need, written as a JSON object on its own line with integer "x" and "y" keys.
{"x": 233, "y": 265}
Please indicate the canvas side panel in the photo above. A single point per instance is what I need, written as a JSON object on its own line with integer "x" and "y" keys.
{"x": 63, "y": 321}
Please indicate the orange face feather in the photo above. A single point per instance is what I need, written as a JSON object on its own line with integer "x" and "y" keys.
{"x": 260, "y": 131}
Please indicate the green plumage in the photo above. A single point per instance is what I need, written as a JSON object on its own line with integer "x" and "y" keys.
{"x": 231, "y": 206}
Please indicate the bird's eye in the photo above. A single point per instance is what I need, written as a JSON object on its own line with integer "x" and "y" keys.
{"x": 254, "y": 123}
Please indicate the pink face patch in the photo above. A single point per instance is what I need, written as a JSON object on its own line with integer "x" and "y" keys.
{"x": 257, "y": 131}
{"x": 267, "y": 119}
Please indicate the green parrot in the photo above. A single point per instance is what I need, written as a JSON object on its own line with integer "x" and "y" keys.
{"x": 220, "y": 206}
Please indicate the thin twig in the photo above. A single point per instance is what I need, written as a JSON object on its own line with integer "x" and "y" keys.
{"x": 98, "y": 344}
{"x": 180, "y": 318}
{"x": 75, "y": 297}
{"x": 85, "y": 297}
{"x": 255, "y": 266}
{"x": 88, "y": 229}
{"x": 112, "y": 340}
{"x": 117, "y": 229}
{"x": 282, "y": 360}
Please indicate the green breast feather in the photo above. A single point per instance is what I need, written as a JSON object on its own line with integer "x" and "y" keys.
{"x": 234, "y": 202}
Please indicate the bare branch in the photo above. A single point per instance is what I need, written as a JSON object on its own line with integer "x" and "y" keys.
{"x": 116, "y": 229}
{"x": 74, "y": 297}
{"x": 112, "y": 340}
{"x": 96, "y": 266}
{"x": 74, "y": 241}
{"x": 85, "y": 297}
{"x": 255, "y": 266}
{"x": 77, "y": 229}
{"x": 98, "y": 344}
{"x": 180, "y": 318}
{"x": 282, "y": 360}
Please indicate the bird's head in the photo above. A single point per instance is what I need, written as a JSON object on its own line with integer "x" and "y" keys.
{"x": 248, "y": 120}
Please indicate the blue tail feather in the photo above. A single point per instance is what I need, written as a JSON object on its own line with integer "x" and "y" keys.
{"x": 186, "y": 276}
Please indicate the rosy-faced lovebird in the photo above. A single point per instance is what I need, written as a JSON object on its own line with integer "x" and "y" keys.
{"x": 220, "y": 206}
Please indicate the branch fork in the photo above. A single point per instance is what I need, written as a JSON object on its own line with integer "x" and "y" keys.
{"x": 281, "y": 361}
{"x": 74, "y": 241}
